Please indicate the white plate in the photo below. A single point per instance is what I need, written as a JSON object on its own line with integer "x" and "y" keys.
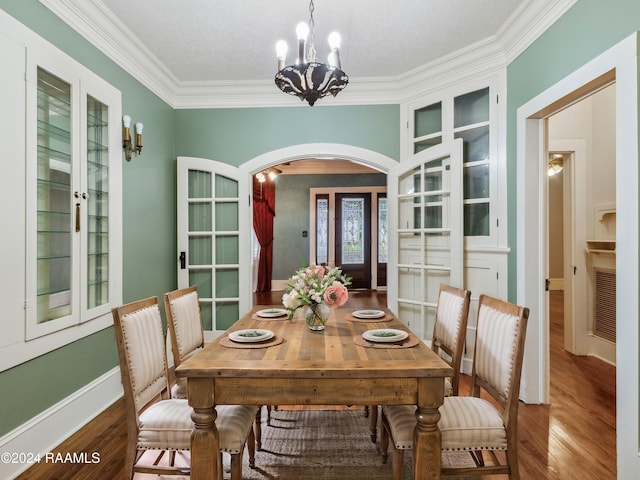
{"x": 251, "y": 335}
{"x": 385, "y": 335}
{"x": 368, "y": 314}
{"x": 272, "y": 312}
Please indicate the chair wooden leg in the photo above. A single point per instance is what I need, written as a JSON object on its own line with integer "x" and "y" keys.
{"x": 373, "y": 422}
{"x": 396, "y": 463}
{"x": 384, "y": 441}
{"x": 512, "y": 461}
{"x": 268, "y": 414}
{"x": 251, "y": 447}
{"x": 220, "y": 472}
{"x": 236, "y": 466}
{"x": 257, "y": 429}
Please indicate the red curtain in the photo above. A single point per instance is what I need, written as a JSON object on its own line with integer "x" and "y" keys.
{"x": 264, "y": 204}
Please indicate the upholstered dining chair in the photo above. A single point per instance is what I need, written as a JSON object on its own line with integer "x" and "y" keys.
{"x": 155, "y": 421}
{"x": 184, "y": 323}
{"x": 449, "y": 333}
{"x": 471, "y": 423}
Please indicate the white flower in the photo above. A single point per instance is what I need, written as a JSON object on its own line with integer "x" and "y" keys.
{"x": 291, "y": 300}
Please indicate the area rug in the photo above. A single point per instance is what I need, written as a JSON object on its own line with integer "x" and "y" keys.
{"x": 322, "y": 445}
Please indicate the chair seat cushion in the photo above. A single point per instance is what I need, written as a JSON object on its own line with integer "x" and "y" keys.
{"x": 167, "y": 425}
{"x": 402, "y": 422}
{"x": 471, "y": 423}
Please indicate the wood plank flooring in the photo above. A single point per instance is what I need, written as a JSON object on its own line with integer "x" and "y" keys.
{"x": 573, "y": 438}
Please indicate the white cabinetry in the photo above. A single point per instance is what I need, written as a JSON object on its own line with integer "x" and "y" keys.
{"x": 472, "y": 112}
{"x": 62, "y": 196}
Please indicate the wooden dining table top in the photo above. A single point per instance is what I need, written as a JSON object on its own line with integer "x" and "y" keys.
{"x": 331, "y": 353}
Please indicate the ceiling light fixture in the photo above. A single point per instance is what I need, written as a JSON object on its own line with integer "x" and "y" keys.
{"x": 555, "y": 164}
{"x": 307, "y": 79}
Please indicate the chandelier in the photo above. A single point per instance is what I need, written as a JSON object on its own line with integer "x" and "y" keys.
{"x": 308, "y": 79}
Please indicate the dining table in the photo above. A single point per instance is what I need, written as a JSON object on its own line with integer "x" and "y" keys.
{"x": 298, "y": 366}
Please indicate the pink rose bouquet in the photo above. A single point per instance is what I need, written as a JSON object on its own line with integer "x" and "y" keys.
{"x": 316, "y": 284}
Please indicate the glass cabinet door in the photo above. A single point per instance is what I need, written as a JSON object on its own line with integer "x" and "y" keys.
{"x": 97, "y": 203}
{"x": 471, "y": 123}
{"x": 470, "y": 117}
{"x": 73, "y": 198}
{"x": 55, "y": 219}
{"x": 427, "y": 123}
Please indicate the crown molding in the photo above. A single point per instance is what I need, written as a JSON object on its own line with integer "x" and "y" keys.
{"x": 523, "y": 27}
{"x": 93, "y": 20}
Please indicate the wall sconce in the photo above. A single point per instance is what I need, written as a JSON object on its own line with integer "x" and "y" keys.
{"x": 126, "y": 143}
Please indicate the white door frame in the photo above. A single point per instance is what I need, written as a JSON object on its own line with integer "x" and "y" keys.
{"x": 531, "y": 257}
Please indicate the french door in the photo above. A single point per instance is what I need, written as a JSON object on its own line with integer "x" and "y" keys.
{"x": 426, "y": 232}
{"x": 213, "y": 243}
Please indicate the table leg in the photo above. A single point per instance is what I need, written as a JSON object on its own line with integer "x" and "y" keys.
{"x": 205, "y": 441}
{"x": 427, "y": 439}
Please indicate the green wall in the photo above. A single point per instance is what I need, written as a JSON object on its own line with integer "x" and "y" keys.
{"x": 588, "y": 29}
{"x": 237, "y": 135}
{"x": 290, "y": 249}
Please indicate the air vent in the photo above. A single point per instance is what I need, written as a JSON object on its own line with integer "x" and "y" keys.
{"x": 605, "y": 304}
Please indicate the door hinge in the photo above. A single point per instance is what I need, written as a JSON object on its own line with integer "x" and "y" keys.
{"x": 575, "y": 269}
{"x": 497, "y": 98}
{"x": 547, "y": 284}
{"x": 183, "y": 260}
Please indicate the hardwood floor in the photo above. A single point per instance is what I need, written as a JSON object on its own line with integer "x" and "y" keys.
{"x": 572, "y": 438}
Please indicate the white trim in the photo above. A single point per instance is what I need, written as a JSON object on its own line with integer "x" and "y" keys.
{"x": 323, "y": 151}
{"x": 95, "y": 22}
{"x": 45, "y": 431}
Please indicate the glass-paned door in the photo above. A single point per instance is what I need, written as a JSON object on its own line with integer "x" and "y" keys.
{"x": 353, "y": 237}
{"x": 428, "y": 228}
{"x": 213, "y": 245}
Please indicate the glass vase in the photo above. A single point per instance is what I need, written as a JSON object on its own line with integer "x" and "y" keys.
{"x": 316, "y": 315}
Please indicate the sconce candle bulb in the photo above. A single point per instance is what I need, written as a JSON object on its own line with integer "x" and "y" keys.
{"x": 126, "y": 141}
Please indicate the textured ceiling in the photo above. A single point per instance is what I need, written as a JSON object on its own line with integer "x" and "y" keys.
{"x": 234, "y": 40}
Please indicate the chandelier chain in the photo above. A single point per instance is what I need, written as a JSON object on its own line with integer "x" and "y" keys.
{"x": 312, "y": 36}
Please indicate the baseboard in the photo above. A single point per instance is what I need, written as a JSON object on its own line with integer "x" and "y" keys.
{"x": 45, "y": 431}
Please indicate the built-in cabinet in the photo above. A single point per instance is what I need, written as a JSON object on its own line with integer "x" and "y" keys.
{"x": 472, "y": 113}
{"x": 67, "y": 158}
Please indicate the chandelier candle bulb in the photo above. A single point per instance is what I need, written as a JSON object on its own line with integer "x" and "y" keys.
{"x": 281, "y": 52}
{"x": 302, "y": 32}
{"x": 334, "y": 44}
